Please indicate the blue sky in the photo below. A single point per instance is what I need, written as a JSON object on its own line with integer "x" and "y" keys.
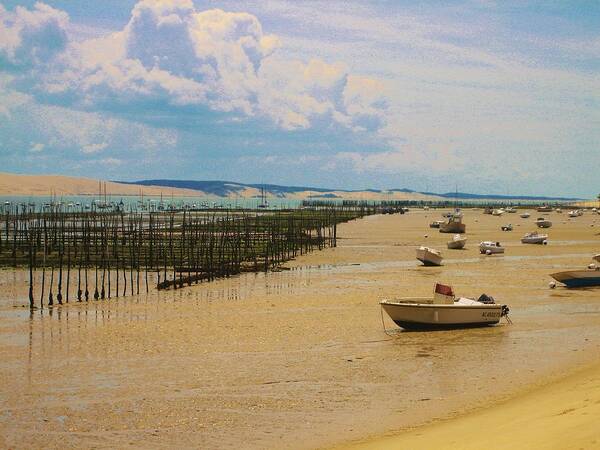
{"x": 483, "y": 96}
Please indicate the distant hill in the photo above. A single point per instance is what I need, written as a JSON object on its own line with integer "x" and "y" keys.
{"x": 231, "y": 188}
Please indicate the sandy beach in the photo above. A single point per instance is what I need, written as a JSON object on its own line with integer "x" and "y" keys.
{"x": 298, "y": 358}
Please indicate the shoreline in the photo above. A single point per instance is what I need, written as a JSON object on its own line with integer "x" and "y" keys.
{"x": 560, "y": 411}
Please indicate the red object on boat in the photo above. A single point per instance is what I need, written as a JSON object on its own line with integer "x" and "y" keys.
{"x": 443, "y": 289}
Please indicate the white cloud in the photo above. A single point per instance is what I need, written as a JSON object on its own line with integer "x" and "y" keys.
{"x": 31, "y": 37}
{"x": 174, "y": 54}
{"x": 93, "y": 148}
{"x": 37, "y": 147}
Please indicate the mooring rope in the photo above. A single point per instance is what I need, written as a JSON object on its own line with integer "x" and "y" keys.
{"x": 383, "y": 323}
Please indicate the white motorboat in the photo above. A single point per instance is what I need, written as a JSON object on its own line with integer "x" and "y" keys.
{"x": 457, "y": 242}
{"x": 573, "y": 214}
{"x": 535, "y": 238}
{"x": 510, "y": 210}
{"x": 497, "y": 212}
{"x": 490, "y": 248}
{"x": 429, "y": 256}
{"x": 543, "y": 223}
{"x": 525, "y": 215}
{"x": 544, "y": 208}
{"x": 443, "y": 311}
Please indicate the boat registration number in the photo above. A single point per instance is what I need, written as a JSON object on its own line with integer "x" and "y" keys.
{"x": 491, "y": 314}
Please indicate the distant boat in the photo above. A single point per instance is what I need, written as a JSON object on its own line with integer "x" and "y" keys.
{"x": 575, "y": 213}
{"x": 457, "y": 242}
{"x": 490, "y": 248}
{"x": 453, "y": 224}
{"x": 508, "y": 227}
{"x": 443, "y": 311}
{"x": 544, "y": 208}
{"x": 429, "y": 256}
{"x": 436, "y": 223}
{"x": 487, "y": 210}
{"x": 525, "y": 215}
{"x": 543, "y": 223}
{"x": 497, "y": 212}
{"x": 535, "y": 238}
{"x": 263, "y": 199}
{"x": 510, "y": 209}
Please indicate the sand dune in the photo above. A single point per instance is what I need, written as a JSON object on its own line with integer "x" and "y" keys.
{"x": 39, "y": 185}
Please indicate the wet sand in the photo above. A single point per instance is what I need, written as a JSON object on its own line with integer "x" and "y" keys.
{"x": 297, "y": 358}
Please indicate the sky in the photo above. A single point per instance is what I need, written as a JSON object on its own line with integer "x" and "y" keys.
{"x": 474, "y": 95}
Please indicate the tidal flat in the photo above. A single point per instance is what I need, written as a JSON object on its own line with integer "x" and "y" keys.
{"x": 298, "y": 358}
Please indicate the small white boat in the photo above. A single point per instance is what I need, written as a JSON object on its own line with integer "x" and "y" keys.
{"x": 508, "y": 227}
{"x": 443, "y": 311}
{"x": 497, "y": 212}
{"x": 543, "y": 223}
{"x": 535, "y": 238}
{"x": 510, "y": 210}
{"x": 429, "y": 256}
{"x": 457, "y": 242}
{"x": 525, "y": 215}
{"x": 544, "y": 208}
{"x": 490, "y": 248}
{"x": 436, "y": 223}
{"x": 573, "y": 214}
{"x": 596, "y": 257}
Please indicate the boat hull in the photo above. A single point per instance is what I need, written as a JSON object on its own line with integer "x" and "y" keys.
{"x": 428, "y": 258}
{"x": 427, "y": 316}
{"x": 533, "y": 241}
{"x": 578, "y": 278}
{"x": 453, "y": 228}
{"x": 457, "y": 245}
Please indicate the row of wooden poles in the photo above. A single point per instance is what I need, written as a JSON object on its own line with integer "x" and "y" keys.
{"x": 84, "y": 255}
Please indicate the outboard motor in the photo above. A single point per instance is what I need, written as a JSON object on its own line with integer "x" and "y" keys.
{"x": 486, "y": 299}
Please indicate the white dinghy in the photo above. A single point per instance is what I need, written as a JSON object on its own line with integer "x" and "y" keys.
{"x": 443, "y": 311}
{"x": 535, "y": 238}
{"x": 429, "y": 256}
{"x": 457, "y": 242}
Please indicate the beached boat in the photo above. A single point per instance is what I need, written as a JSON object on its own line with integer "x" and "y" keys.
{"x": 443, "y": 311}
{"x": 575, "y": 213}
{"x": 543, "y": 223}
{"x": 490, "y": 248}
{"x": 487, "y": 210}
{"x": 429, "y": 256}
{"x": 544, "y": 208}
{"x": 457, "y": 242}
{"x": 507, "y": 227}
{"x": 497, "y": 212}
{"x": 436, "y": 223}
{"x": 535, "y": 238}
{"x": 453, "y": 225}
{"x": 578, "y": 278}
{"x": 525, "y": 215}
{"x": 510, "y": 210}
